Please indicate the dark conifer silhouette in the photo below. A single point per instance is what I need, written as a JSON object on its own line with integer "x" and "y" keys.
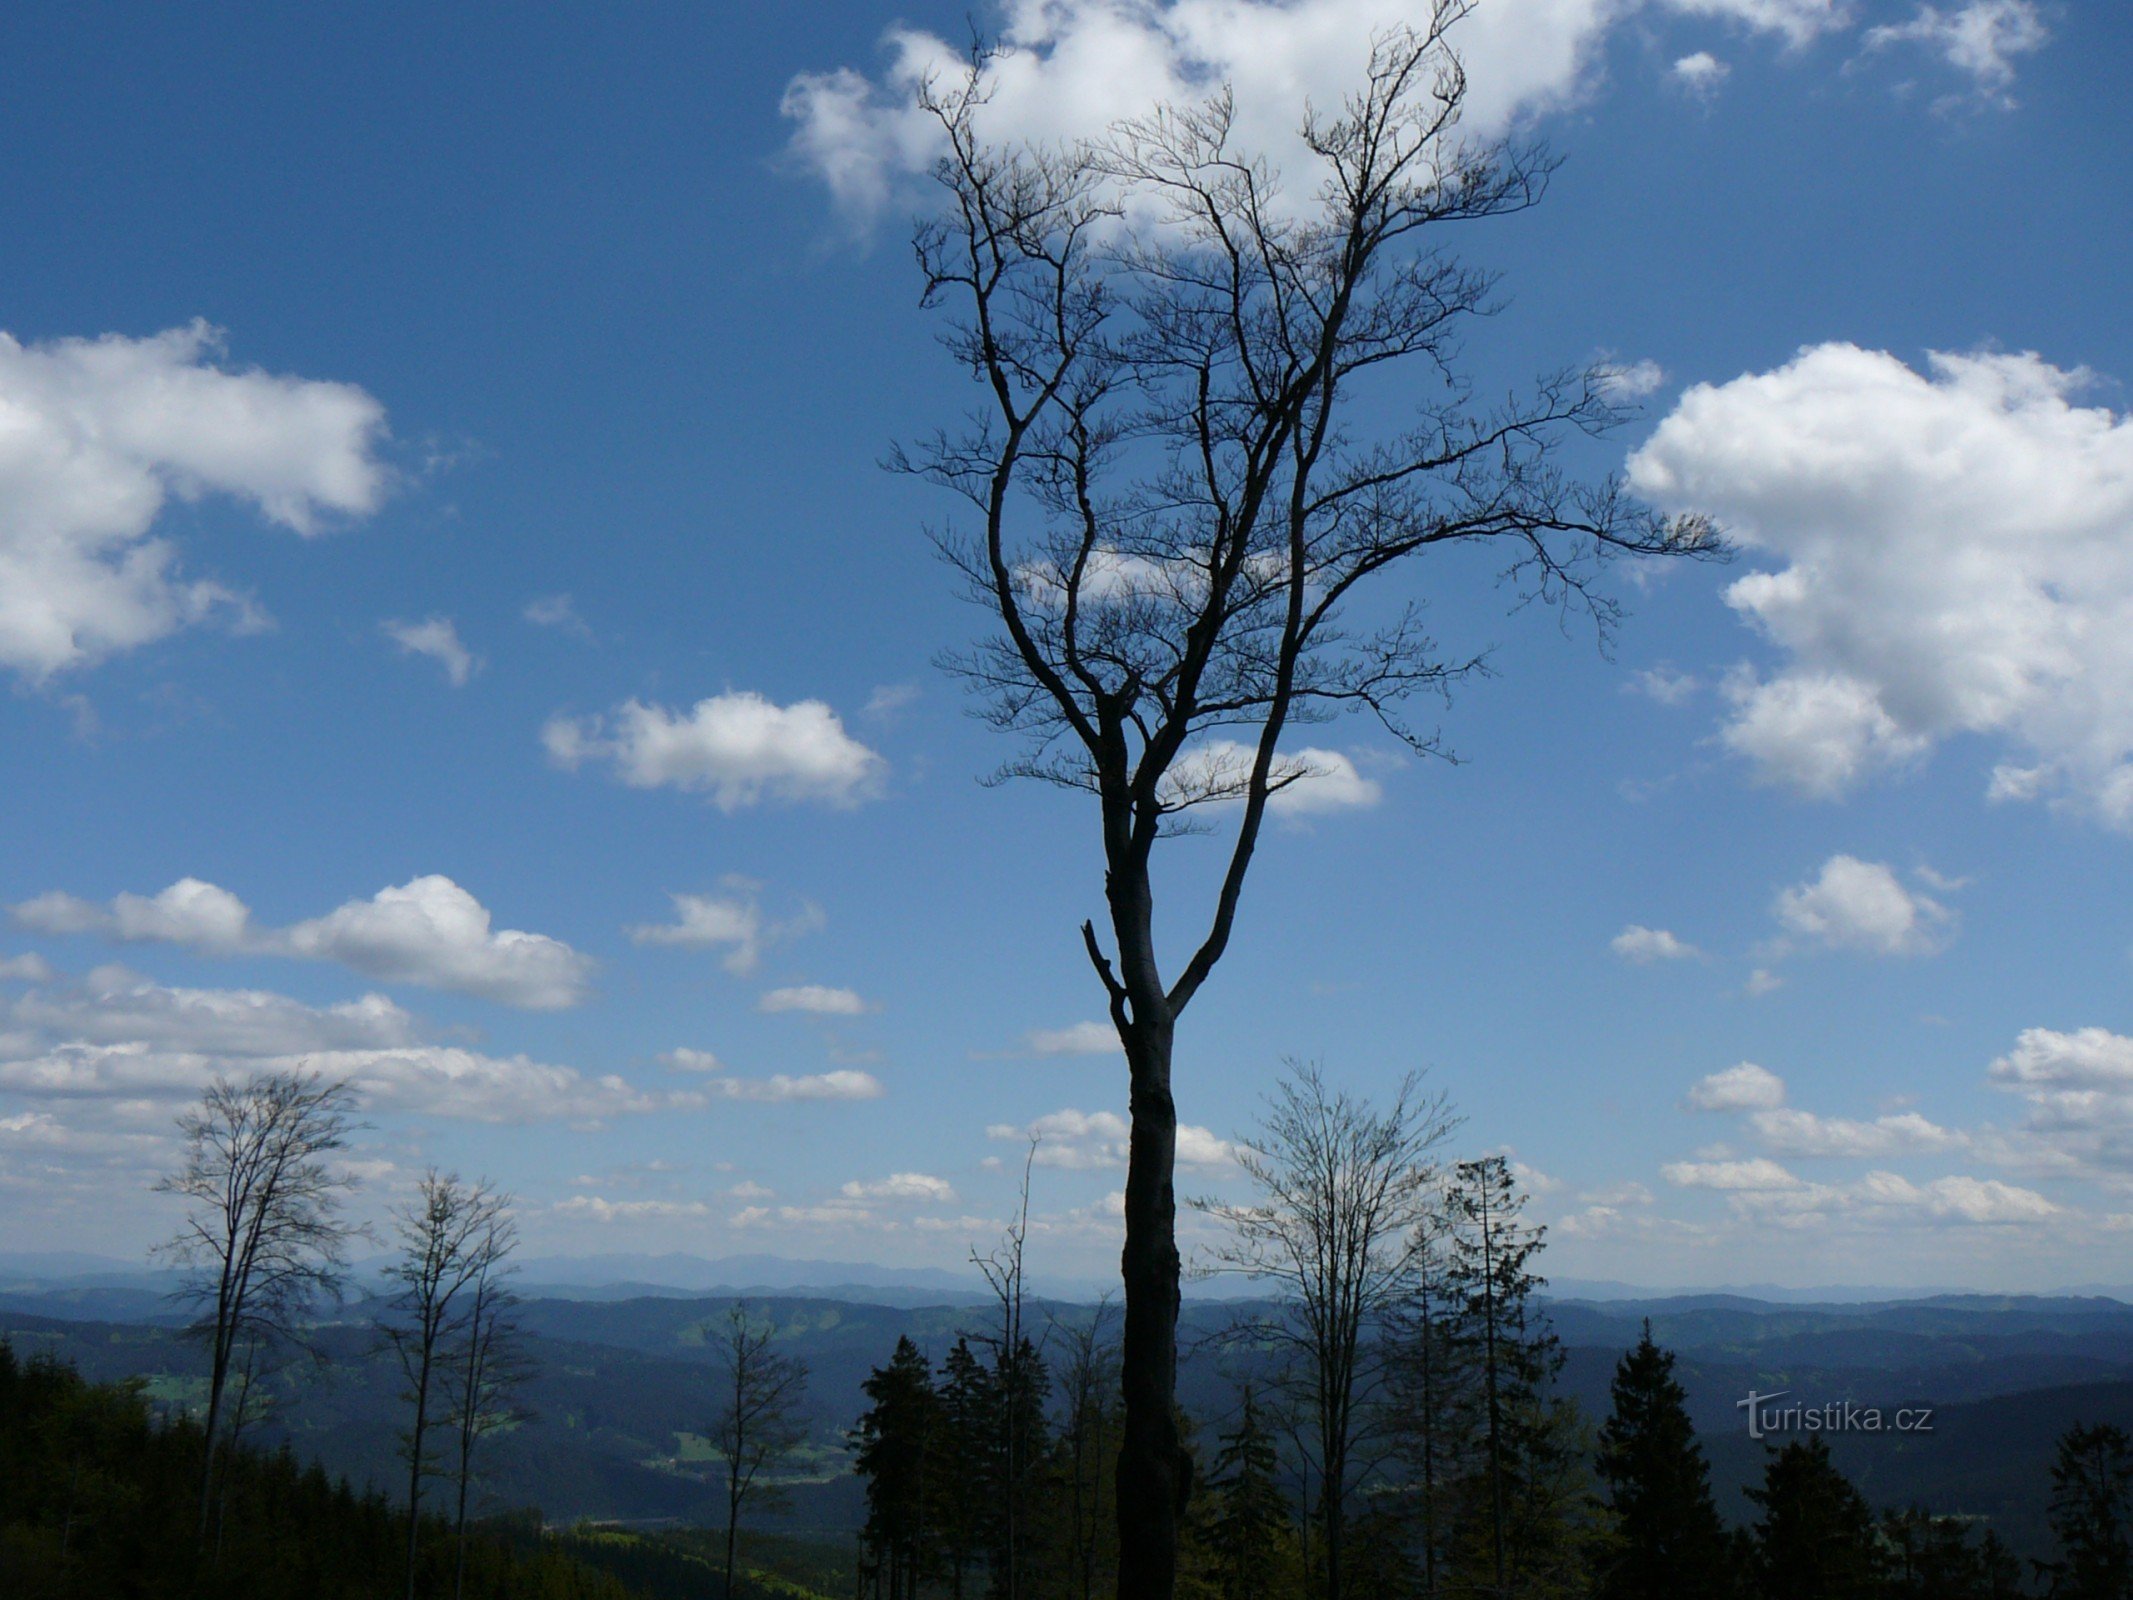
{"x": 1667, "y": 1536}
{"x": 2092, "y": 1515}
{"x": 1816, "y": 1538}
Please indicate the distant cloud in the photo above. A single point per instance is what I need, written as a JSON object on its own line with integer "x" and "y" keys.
{"x": 843, "y": 1084}
{"x": 1980, "y": 39}
{"x": 815, "y": 999}
{"x": 1861, "y": 905}
{"x": 1802, "y": 1133}
{"x": 733, "y": 921}
{"x": 1312, "y": 782}
{"x": 890, "y": 698}
{"x": 101, "y": 433}
{"x": 684, "y": 1059}
{"x": 1078, "y": 1039}
{"x": 1746, "y": 1087}
{"x": 428, "y": 931}
{"x": 903, "y": 1186}
{"x": 556, "y": 611}
{"x": 29, "y": 968}
{"x": 1646, "y": 945}
{"x": 1665, "y": 685}
{"x": 1632, "y": 380}
{"x": 1758, "y": 1174}
{"x": 438, "y": 639}
{"x": 1702, "y": 74}
{"x": 738, "y": 748}
{"x": 1080, "y": 1141}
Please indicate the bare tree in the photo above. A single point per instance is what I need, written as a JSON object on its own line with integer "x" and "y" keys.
{"x": 759, "y": 1420}
{"x": 484, "y": 1372}
{"x": 264, "y": 1238}
{"x": 450, "y": 1239}
{"x": 1088, "y": 1376}
{"x": 1013, "y": 1358}
{"x": 1343, "y": 1193}
{"x": 1178, "y": 495}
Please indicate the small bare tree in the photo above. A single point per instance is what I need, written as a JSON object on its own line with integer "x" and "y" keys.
{"x": 264, "y": 1239}
{"x": 484, "y": 1372}
{"x": 760, "y": 1419}
{"x": 1180, "y": 496}
{"x": 451, "y": 1237}
{"x": 1088, "y": 1383}
{"x": 1013, "y": 1357}
{"x": 1345, "y": 1195}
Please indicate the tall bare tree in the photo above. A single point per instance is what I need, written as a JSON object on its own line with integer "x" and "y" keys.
{"x": 485, "y": 1369}
{"x": 264, "y": 1238}
{"x": 760, "y": 1418}
{"x": 452, "y": 1237}
{"x": 1013, "y": 1360}
{"x": 1181, "y": 483}
{"x": 1344, "y": 1194}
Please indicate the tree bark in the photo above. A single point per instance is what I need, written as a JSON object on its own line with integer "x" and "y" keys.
{"x": 1154, "y": 1475}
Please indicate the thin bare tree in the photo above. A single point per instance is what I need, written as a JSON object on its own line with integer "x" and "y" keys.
{"x": 760, "y": 1419}
{"x": 1336, "y": 1229}
{"x": 450, "y": 1240}
{"x": 484, "y": 1372}
{"x": 264, "y": 1239}
{"x": 1013, "y": 1357}
{"x": 1183, "y": 481}
{"x": 1088, "y": 1383}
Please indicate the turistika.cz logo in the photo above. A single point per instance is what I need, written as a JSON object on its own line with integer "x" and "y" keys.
{"x": 1840, "y": 1416}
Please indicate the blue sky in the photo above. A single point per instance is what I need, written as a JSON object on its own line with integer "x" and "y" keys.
{"x": 393, "y": 401}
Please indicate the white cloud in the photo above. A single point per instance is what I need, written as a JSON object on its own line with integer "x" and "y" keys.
{"x": 734, "y": 920}
{"x": 438, "y": 639}
{"x": 1312, "y": 781}
{"x": 738, "y": 748}
{"x": 683, "y": 1059}
{"x": 1760, "y": 1174}
{"x": 1701, "y": 73}
{"x": 1763, "y": 981}
{"x": 903, "y": 1186}
{"x": 843, "y": 1084}
{"x": 1802, "y": 1133}
{"x": 1861, "y": 905}
{"x": 1077, "y": 1039}
{"x": 597, "y": 1208}
{"x": 1631, "y": 380}
{"x": 2078, "y": 1087}
{"x": 27, "y": 968}
{"x": 1981, "y": 39}
{"x": 1072, "y": 68}
{"x": 428, "y": 931}
{"x": 749, "y": 1189}
{"x": 1953, "y": 555}
{"x": 1645, "y": 945}
{"x": 557, "y": 611}
{"x": 2085, "y": 1059}
{"x": 96, "y": 435}
{"x": 1746, "y": 1087}
{"x": 1665, "y": 685}
{"x": 815, "y": 999}
{"x": 1080, "y": 1141}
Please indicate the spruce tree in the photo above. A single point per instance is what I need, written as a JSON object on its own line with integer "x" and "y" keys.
{"x": 1668, "y": 1539}
{"x": 1250, "y": 1522}
{"x": 2092, "y": 1496}
{"x": 1816, "y": 1539}
{"x": 895, "y": 1443}
{"x": 962, "y": 1488}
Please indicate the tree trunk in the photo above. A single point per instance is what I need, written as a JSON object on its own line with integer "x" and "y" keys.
{"x": 1154, "y": 1476}
{"x": 414, "y": 1469}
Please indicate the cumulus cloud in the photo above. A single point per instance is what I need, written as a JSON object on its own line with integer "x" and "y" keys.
{"x": 1862, "y": 905}
{"x": 1631, "y": 380}
{"x": 902, "y": 1186}
{"x": 116, "y": 1036}
{"x": 28, "y": 968}
{"x": 1801, "y": 1133}
{"x": 428, "y": 931}
{"x": 738, "y": 748}
{"x": 733, "y": 921}
{"x": 1746, "y": 1087}
{"x": 1645, "y": 945}
{"x": 1665, "y": 685}
{"x": 2078, "y": 1087}
{"x": 1080, "y": 1141}
{"x": 1701, "y": 73}
{"x": 597, "y": 1208}
{"x": 1069, "y": 69}
{"x": 683, "y": 1059}
{"x": 97, "y": 435}
{"x": 1950, "y": 552}
{"x": 815, "y": 999}
{"x": 438, "y": 639}
{"x": 1980, "y": 39}
{"x": 1311, "y": 781}
{"x": 1077, "y": 1039}
{"x": 1758, "y": 1174}
{"x": 556, "y": 611}
{"x": 843, "y": 1084}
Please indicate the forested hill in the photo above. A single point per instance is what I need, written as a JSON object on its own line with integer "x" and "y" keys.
{"x": 621, "y": 1390}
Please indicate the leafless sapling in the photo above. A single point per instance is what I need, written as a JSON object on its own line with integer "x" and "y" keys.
{"x": 761, "y": 1418}
{"x": 264, "y": 1238}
